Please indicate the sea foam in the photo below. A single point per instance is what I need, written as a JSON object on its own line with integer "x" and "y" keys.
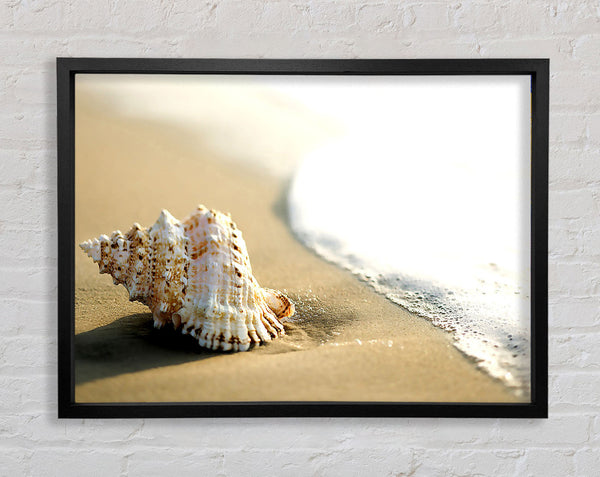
{"x": 442, "y": 234}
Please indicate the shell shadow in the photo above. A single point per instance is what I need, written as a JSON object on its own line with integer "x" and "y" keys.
{"x": 132, "y": 344}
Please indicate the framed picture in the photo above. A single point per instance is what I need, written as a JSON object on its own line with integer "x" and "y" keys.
{"x": 302, "y": 237}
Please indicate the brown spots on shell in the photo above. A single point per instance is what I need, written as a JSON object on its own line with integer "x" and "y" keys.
{"x": 234, "y": 340}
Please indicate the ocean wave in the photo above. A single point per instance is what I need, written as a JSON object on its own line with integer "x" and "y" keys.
{"x": 445, "y": 237}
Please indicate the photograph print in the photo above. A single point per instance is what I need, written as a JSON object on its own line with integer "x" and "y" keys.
{"x": 301, "y": 238}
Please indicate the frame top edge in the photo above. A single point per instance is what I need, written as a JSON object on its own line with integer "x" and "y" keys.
{"x": 390, "y": 66}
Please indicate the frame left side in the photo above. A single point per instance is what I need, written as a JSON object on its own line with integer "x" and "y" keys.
{"x": 65, "y": 76}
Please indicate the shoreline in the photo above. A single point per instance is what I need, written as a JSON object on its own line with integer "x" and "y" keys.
{"x": 345, "y": 342}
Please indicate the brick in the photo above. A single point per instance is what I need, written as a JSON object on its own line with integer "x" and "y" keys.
{"x": 189, "y": 462}
{"x": 256, "y": 18}
{"x": 574, "y": 166}
{"x": 31, "y": 283}
{"x": 22, "y": 51}
{"x": 106, "y": 432}
{"x": 324, "y": 462}
{"x": 43, "y": 15}
{"x": 475, "y": 16}
{"x": 563, "y": 241}
{"x": 564, "y": 91}
{"x": 431, "y": 16}
{"x": 27, "y": 245}
{"x": 21, "y": 126}
{"x": 573, "y": 17}
{"x": 526, "y": 20}
{"x": 299, "y": 433}
{"x": 15, "y": 169}
{"x": 61, "y": 462}
{"x": 575, "y": 279}
{"x": 120, "y": 47}
{"x": 543, "y": 461}
{"x": 22, "y": 354}
{"x": 595, "y": 431}
{"x": 332, "y": 16}
{"x": 574, "y": 313}
{"x": 567, "y": 128}
{"x": 7, "y": 15}
{"x": 293, "y": 463}
{"x": 178, "y": 15}
{"x": 467, "y": 462}
{"x": 591, "y": 242}
{"x": 436, "y": 48}
{"x": 248, "y": 45}
{"x": 35, "y": 87}
{"x": 25, "y": 207}
{"x": 278, "y": 17}
{"x": 23, "y": 394}
{"x": 88, "y": 15}
{"x": 585, "y": 49}
{"x": 137, "y": 16}
{"x": 576, "y": 389}
{"x": 25, "y": 316}
{"x": 572, "y": 204}
{"x": 15, "y": 462}
{"x": 587, "y": 461}
{"x": 379, "y": 17}
{"x": 464, "y": 432}
{"x": 593, "y": 128}
{"x": 558, "y": 430}
{"x": 362, "y": 461}
{"x": 575, "y": 351}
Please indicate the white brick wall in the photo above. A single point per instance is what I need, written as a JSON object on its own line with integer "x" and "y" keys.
{"x": 34, "y": 442}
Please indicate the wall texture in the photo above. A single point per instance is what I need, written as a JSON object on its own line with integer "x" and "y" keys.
{"x": 34, "y": 442}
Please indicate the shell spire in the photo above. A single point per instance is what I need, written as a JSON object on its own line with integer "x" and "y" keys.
{"x": 92, "y": 248}
{"x": 195, "y": 274}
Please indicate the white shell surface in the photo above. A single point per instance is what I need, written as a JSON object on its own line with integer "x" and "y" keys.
{"x": 195, "y": 274}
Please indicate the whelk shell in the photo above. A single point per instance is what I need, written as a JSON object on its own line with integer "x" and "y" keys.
{"x": 195, "y": 274}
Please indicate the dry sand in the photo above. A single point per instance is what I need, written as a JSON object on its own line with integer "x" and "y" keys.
{"x": 345, "y": 343}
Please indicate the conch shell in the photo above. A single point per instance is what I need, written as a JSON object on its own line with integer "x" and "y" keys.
{"x": 195, "y": 274}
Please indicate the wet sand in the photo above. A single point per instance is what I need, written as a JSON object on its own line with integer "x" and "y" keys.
{"x": 345, "y": 342}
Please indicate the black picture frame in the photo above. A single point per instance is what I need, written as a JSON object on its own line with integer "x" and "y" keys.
{"x": 538, "y": 69}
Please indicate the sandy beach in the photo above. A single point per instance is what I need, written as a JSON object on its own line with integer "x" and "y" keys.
{"x": 345, "y": 342}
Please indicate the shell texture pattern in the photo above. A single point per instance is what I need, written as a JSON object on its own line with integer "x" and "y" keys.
{"x": 195, "y": 274}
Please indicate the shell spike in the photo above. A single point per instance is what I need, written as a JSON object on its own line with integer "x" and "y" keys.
{"x": 91, "y": 248}
{"x": 165, "y": 219}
